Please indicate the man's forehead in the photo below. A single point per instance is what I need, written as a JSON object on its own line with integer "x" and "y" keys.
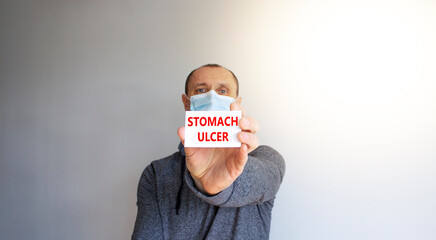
{"x": 214, "y": 74}
{"x": 207, "y": 71}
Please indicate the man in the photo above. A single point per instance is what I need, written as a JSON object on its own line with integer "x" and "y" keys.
{"x": 211, "y": 193}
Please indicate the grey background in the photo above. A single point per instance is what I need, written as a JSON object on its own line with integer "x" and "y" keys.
{"x": 90, "y": 94}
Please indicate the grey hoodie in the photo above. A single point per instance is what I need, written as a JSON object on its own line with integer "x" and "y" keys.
{"x": 171, "y": 207}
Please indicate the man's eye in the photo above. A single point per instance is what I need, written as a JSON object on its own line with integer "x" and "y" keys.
{"x": 223, "y": 91}
{"x": 201, "y": 90}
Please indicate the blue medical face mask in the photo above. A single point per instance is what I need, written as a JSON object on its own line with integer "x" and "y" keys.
{"x": 210, "y": 101}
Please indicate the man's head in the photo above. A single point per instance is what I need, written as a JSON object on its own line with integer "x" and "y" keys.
{"x": 210, "y": 77}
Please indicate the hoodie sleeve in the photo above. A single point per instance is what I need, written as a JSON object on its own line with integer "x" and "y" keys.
{"x": 148, "y": 221}
{"x": 258, "y": 183}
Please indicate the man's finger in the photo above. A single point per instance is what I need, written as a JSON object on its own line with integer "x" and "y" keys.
{"x": 249, "y": 124}
{"x": 189, "y": 152}
{"x": 250, "y": 139}
{"x": 242, "y": 157}
{"x": 236, "y": 106}
{"x": 181, "y": 133}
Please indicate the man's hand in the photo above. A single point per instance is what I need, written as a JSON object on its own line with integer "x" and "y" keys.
{"x": 214, "y": 169}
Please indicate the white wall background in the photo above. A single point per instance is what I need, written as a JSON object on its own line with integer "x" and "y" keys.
{"x": 345, "y": 90}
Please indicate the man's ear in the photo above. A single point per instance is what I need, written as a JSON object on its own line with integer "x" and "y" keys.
{"x": 186, "y": 102}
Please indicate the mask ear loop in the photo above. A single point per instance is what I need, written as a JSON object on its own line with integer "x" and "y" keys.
{"x": 189, "y": 99}
{"x": 237, "y": 98}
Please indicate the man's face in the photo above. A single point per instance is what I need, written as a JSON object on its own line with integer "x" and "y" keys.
{"x": 210, "y": 78}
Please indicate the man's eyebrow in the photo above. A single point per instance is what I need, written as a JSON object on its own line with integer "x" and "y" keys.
{"x": 224, "y": 85}
{"x": 199, "y": 84}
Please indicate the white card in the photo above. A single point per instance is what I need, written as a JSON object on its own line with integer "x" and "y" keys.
{"x": 212, "y": 129}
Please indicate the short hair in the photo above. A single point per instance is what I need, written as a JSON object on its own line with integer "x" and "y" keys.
{"x": 211, "y": 65}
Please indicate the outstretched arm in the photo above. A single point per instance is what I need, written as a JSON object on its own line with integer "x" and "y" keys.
{"x": 258, "y": 183}
{"x": 235, "y": 176}
{"x": 215, "y": 169}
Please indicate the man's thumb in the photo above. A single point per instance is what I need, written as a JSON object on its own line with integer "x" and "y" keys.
{"x": 181, "y": 133}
